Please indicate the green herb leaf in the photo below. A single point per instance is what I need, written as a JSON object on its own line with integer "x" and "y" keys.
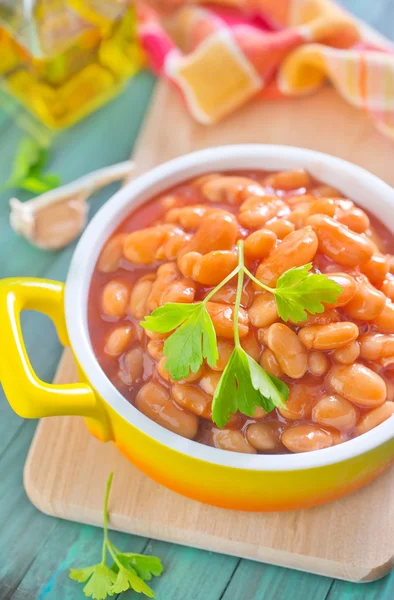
{"x": 27, "y": 169}
{"x": 129, "y": 571}
{"x": 28, "y": 155}
{"x": 100, "y": 580}
{"x": 243, "y": 386}
{"x": 192, "y": 341}
{"x": 298, "y": 291}
{"x": 168, "y": 317}
{"x": 146, "y": 566}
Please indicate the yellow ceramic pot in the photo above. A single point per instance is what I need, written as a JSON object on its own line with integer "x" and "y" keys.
{"x": 227, "y": 479}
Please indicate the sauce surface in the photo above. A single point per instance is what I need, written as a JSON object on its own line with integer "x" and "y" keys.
{"x": 339, "y": 365}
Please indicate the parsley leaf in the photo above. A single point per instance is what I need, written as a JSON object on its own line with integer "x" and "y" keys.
{"x": 129, "y": 571}
{"x": 146, "y": 566}
{"x": 243, "y": 386}
{"x": 27, "y": 169}
{"x": 192, "y": 341}
{"x": 100, "y": 580}
{"x": 298, "y": 291}
{"x": 168, "y": 317}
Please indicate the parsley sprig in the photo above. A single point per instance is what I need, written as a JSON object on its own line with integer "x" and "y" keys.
{"x": 244, "y": 384}
{"x": 129, "y": 571}
{"x": 27, "y": 171}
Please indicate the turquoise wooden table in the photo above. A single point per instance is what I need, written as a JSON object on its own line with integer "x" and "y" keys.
{"x": 36, "y": 551}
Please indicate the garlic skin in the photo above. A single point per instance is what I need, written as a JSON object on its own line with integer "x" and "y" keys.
{"x": 56, "y": 218}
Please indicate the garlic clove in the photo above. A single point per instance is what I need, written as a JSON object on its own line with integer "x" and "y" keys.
{"x": 56, "y": 218}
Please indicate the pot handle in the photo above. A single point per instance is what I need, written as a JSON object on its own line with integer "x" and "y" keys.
{"x": 28, "y": 395}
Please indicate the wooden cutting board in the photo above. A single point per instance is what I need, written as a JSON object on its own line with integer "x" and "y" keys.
{"x": 66, "y": 470}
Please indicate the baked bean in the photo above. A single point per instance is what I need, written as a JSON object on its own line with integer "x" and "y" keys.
{"x": 376, "y": 269}
{"x": 375, "y": 346}
{"x": 188, "y": 217}
{"x": 154, "y": 401}
{"x": 262, "y": 335}
{"x": 251, "y": 346}
{"x": 270, "y": 363}
{"x": 388, "y": 286}
{"x": 132, "y": 366}
{"x": 390, "y": 258}
{"x": 155, "y": 348}
{"x": 299, "y": 215}
{"x": 329, "y": 316}
{"x": 355, "y": 218}
{"x": 339, "y": 243}
{"x": 375, "y": 417}
{"x": 288, "y": 180}
{"x": 265, "y": 436}
{"x": 259, "y": 244}
{"x": 335, "y": 411}
{"x": 348, "y": 354}
{"x": 367, "y": 302}
{"x": 209, "y": 381}
{"x": 348, "y": 285}
{"x": 358, "y": 384}
{"x": 118, "y": 340}
{"x": 192, "y": 399}
{"x": 173, "y": 244}
{"x": 155, "y": 335}
{"x": 322, "y": 206}
{"x": 187, "y": 261}
{"x": 289, "y": 351}
{"x": 166, "y": 274}
{"x": 227, "y": 294}
{"x": 263, "y": 310}
{"x": 230, "y": 439}
{"x": 328, "y": 337}
{"x": 281, "y": 227}
{"x": 140, "y": 247}
{"x": 231, "y": 189}
{"x": 212, "y": 268}
{"x": 300, "y": 403}
{"x": 225, "y": 348}
{"x": 325, "y": 191}
{"x": 318, "y": 363}
{"x": 179, "y": 291}
{"x": 198, "y": 182}
{"x": 296, "y": 250}
{"x": 385, "y": 320}
{"x": 257, "y": 210}
{"x": 218, "y": 231}
{"x": 306, "y": 437}
{"x": 300, "y": 200}
{"x": 259, "y": 413}
{"x": 112, "y": 254}
{"x": 139, "y": 297}
{"x": 222, "y": 317}
{"x": 115, "y": 298}
{"x": 161, "y": 369}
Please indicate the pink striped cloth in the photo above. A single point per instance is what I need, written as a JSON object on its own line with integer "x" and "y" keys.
{"x": 221, "y": 55}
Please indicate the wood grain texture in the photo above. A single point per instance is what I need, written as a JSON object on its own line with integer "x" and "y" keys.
{"x": 358, "y": 543}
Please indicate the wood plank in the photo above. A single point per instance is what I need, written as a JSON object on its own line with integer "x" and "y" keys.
{"x": 265, "y": 582}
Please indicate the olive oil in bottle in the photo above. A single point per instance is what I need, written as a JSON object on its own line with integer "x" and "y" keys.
{"x": 62, "y": 59}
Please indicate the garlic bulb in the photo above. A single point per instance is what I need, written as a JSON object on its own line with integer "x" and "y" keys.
{"x": 54, "y": 219}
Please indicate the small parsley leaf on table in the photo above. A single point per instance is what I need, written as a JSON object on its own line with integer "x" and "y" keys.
{"x": 128, "y": 572}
